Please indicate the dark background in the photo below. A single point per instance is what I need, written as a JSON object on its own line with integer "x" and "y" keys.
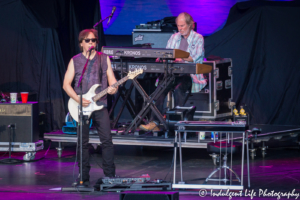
{"x": 262, "y": 38}
{"x": 39, "y": 37}
{"x": 38, "y": 40}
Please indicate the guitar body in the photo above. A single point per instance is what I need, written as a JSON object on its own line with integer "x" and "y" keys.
{"x": 74, "y": 106}
{"x": 91, "y": 94}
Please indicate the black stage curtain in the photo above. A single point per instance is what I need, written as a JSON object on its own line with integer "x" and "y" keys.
{"x": 263, "y": 41}
{"x": 38, "y": 39}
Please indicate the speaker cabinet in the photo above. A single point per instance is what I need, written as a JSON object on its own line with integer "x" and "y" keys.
{"x": 24, "y": 116}
{"x": 158, "y": 40}
{"x": 151, "y": 195}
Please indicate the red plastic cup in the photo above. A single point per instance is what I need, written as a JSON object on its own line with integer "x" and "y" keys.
{"x": 24, "y": 96}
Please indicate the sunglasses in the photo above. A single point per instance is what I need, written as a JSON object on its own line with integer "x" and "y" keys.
{"x": 88, "y": 40}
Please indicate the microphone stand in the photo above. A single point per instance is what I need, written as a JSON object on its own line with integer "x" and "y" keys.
{"x": 101, "y": 20}
{"x": 81, "y": 187}
{"x": 10, "y": 160}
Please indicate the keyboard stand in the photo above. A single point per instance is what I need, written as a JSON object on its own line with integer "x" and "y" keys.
{"x": 125, "y": 95}
{"x": 149, "y": 101}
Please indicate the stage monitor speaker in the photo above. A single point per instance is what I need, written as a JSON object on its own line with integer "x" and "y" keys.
{"x": 25, "y": 118}
{"x": 150, "y": 195}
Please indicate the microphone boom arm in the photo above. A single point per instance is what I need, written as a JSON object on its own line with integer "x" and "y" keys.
{"x": 102, "y": 20}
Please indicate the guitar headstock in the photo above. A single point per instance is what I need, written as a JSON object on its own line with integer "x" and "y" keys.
{"x": 135, "y": 73}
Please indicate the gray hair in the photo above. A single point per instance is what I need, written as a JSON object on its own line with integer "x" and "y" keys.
{"x": 188, "y": 19}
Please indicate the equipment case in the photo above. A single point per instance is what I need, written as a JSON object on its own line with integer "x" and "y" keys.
{"x": 215, "y": 100}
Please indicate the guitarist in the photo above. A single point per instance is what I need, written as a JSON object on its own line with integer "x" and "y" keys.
{"x": 98, "y": 71}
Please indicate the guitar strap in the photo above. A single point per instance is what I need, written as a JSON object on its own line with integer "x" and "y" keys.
{"x": 101, "y": 71}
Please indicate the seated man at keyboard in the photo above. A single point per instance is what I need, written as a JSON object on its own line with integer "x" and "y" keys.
{"x": 187, "y": 40}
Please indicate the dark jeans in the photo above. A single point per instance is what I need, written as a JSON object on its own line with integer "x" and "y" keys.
{"x": 102, "y": 124}
{"x": 181, "y": 85}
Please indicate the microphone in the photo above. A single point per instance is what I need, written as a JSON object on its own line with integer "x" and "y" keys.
{"x": 91, "y": 48}
{"x": 112, "y": 13}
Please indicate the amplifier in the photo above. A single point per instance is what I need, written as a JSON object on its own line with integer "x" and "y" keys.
{"x": 157, "y": 40}
{"x": 25, "y": 118}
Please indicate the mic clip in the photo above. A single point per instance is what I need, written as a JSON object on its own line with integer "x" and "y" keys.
{"x": 12, "y": 126}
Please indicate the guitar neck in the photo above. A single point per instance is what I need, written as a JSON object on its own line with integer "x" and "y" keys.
{"x": 104, "y": 92}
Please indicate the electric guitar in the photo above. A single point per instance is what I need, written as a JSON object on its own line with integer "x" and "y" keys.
{"x": 93, "y": 97}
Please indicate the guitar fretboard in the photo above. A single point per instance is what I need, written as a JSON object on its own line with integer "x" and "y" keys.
{"x": 104, "y": 92}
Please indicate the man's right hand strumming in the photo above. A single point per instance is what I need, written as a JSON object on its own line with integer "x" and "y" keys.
{"x": 85, "y": 102}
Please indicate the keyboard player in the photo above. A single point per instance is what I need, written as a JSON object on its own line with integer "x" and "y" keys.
{"x": 187, "y": 40}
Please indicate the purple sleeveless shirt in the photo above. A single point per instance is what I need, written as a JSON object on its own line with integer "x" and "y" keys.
{"x": 92, "y": 74}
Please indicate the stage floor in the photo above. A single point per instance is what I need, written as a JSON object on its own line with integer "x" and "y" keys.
{"x": 277, "y": 172}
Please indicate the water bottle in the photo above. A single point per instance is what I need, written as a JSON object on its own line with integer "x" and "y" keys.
{"x": 214, "y": 135}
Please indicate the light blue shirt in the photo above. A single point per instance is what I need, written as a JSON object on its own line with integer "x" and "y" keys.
{"x": 196, "y": 50}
